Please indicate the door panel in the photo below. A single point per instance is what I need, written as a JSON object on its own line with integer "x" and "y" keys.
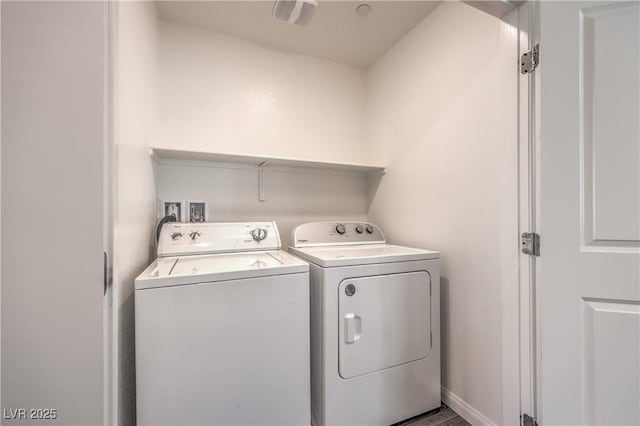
{"x": 611, "y": 352}
{"x": 609, "y": 111}
{"x": 589, "y": 191}
{"x": 53, "y": 144}
{"x": 384, "y": 321}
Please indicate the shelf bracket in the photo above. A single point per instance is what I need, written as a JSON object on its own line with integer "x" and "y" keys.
{"x": 261, "y": 182}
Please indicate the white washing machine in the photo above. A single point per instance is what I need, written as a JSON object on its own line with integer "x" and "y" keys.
{"x": 222, "y": 329}
{"x": 375, "y": 325}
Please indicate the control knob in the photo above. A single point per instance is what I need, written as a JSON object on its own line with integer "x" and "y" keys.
{"x": 359, "y": 229}
{"x": 340, "y": 229}
{"x": 194, "y": 235}
{"x": 369, "y": 229}
{"x": 259, "y": 234}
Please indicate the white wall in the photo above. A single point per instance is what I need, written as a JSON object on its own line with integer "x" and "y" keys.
{"x": 442, "y": 117}
{"x": 292, "y": 196}
{"x": 218, "y": 93}
{"x": 134, "y": 189}
{"x": 222, "y": 94}
{"x": 53, "y": 127}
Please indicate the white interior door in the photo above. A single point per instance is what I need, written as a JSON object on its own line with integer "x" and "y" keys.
{"x": 53, "y": 130}
{"x": 589, "y": 211}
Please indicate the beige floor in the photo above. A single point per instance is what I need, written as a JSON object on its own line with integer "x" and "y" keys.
{"x": 445, "y": 416}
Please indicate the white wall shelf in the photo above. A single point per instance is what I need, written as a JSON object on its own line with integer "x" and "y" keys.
{"x": 261, "y": 162}
{"x": 163, "y": 155}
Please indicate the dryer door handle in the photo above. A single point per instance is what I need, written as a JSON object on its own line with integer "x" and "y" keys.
{"x": 352, "y": 328}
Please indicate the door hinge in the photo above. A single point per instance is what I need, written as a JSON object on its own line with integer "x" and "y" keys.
{"x": 527, "y": 420}
{"x": 530, "y": 60}
{"x": 530, "y": 243}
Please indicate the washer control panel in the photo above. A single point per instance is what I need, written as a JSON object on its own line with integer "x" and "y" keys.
{"x": 336, "y": 233}
{"x": 205, "y": 238}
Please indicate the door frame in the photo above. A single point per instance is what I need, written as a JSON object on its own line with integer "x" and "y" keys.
{"x": 517, "y": 385}
{"x": 529, "y": 216}
{"x": 519, "y": 311}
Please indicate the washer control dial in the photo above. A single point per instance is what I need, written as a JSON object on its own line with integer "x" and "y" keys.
{"x": 369, "y": 229}
{"x": 341, "y": 229}
{"x": 359, "y": 229}
{"x": 259, "y": 234}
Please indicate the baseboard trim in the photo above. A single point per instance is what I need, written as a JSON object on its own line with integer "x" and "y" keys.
{"x": 465, "y": 411}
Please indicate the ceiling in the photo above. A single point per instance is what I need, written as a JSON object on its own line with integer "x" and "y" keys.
{"x": 335, "y": 32}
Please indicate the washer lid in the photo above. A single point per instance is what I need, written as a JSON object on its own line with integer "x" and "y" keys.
{"x": 184, "y": 270}
{"x": 362, "y": 254}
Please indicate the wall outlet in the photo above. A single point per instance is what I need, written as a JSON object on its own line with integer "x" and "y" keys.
{"x": 197, "y": 211}
{"x": 176, "y": 208}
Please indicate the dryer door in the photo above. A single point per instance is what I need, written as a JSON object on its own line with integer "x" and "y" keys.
{"x": 384, "y": 321}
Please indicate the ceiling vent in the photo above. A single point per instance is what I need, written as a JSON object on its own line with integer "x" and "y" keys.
{"x": 298, "y": 12}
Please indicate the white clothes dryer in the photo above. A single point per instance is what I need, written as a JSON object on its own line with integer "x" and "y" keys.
{"x": 375, "y": 325}
{"x": 222, "y": 329}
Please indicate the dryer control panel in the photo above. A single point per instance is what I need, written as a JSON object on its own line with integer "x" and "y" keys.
{"x": 336, "y": 233}
{"x": 178, "y": 239}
